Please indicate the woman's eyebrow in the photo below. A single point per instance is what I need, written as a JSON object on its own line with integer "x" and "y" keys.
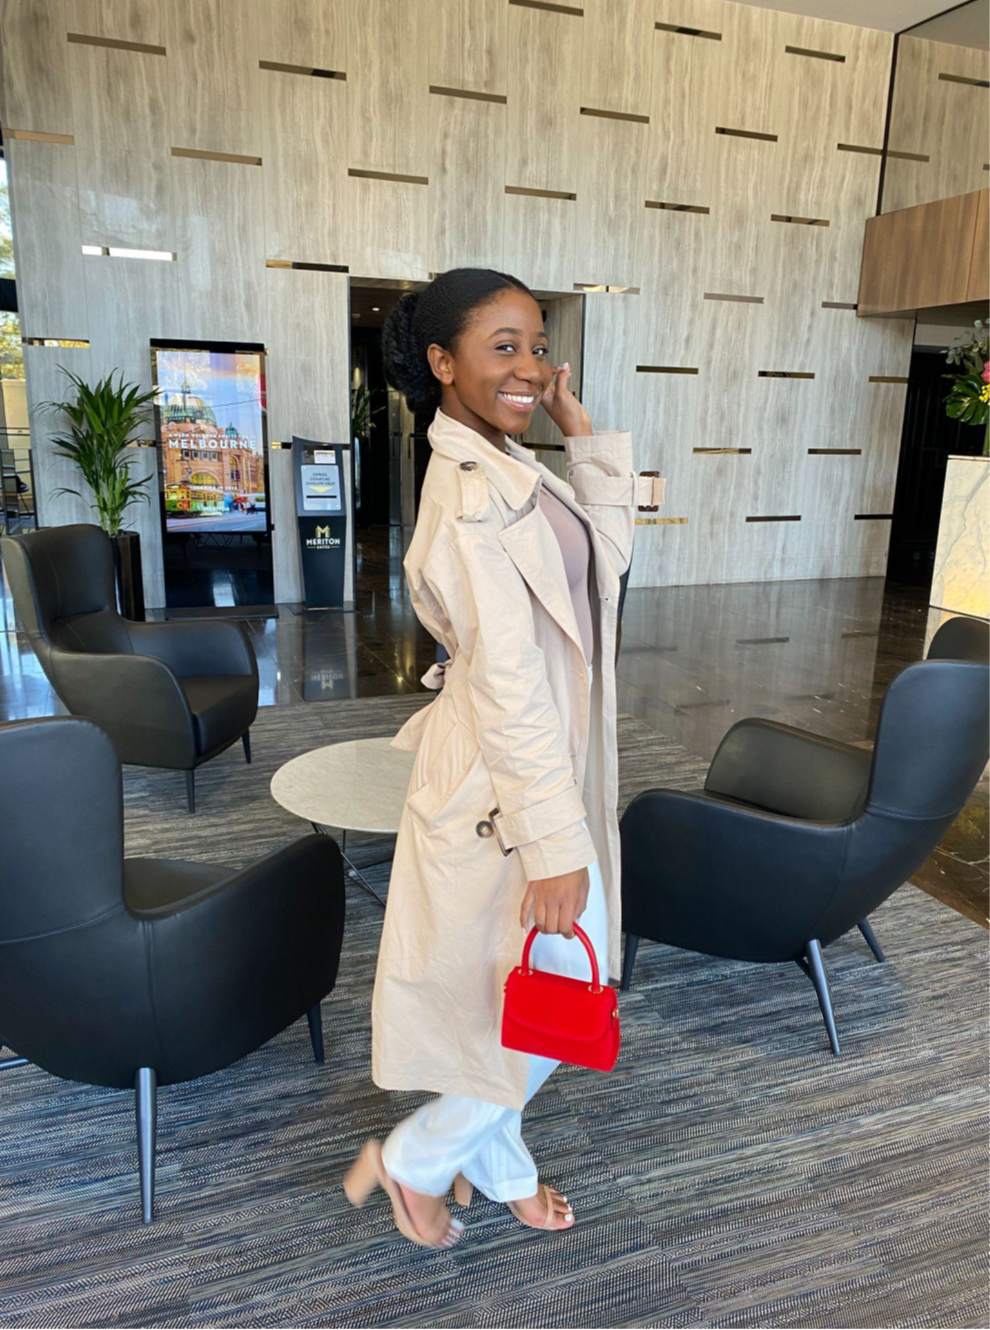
{"x": 518, "y": 332}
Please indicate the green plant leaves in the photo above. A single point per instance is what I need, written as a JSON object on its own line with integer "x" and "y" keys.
{"x": 104, "y": 421}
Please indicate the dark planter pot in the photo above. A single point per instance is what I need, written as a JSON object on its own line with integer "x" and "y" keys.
{"x": 127, "y": 563}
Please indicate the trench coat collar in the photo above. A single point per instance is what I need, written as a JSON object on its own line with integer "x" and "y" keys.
{"x": 514, "y": 475}
{"x": 529, "y": 542}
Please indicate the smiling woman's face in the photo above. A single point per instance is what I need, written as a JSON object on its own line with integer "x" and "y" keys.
{"x": 501, "y": 369}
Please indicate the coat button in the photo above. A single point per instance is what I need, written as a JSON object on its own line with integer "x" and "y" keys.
{"x": 469, "y": 466}
{"x": 484, "y": 829}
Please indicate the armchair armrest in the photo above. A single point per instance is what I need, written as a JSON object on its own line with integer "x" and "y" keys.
{"x": 725, "y": 879}
{"x": 791, "y": 771}
{"x": 239, "y": 960}
{"x": 217, "y": 647}
{"x": 136, "y": 699}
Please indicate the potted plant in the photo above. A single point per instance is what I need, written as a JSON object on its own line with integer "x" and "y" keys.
{"x": 968, "y": 400}
{"x": 104, "y": 421}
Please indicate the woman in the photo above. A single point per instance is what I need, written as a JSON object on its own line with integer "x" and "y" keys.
{"x": 510, "y": 816}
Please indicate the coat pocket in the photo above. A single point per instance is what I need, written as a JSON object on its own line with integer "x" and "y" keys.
{"x": 444, "y": 771}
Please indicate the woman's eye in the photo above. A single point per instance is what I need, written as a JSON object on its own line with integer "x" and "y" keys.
{"x": 511, "y": 346}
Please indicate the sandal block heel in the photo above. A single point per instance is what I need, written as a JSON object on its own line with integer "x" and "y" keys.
{"x": 361, "y": 1178}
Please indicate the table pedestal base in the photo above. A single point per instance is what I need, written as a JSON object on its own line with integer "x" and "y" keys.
{"x": 353, "y": 872}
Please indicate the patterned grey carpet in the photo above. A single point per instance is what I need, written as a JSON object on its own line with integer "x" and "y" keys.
{"x": 730, "y": 1172}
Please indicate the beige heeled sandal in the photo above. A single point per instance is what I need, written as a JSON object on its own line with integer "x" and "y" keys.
{"x": 464, "y": 1191}
{"x": 368, "y": 1172}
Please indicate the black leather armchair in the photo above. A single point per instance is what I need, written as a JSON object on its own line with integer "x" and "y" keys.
{"x": 168, "y": 694}
{"x": 145, "y": 972}
{"x": 794, "y": 838}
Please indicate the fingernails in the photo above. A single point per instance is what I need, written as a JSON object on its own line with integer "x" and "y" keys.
{"x": 569, "y": 1219}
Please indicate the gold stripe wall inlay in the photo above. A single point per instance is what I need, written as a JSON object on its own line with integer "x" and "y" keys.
{"x": 616, "y": 115}
{"x": 711, "y": 451}
{"x": 572, "y": 11}
{"x": 815, "y": 55}
{"x": 52, "y": 341}
{"x": 872, "y": 517}
{"x": 961, "y": 78}
{"x": 799, "y": 221}
{"x": 784, "y": 374}
{"x": 114, "y": 43}
{"x": 277, "y": 67}
{"x": 306, "y": 267}
{"x": 498, "y": 97}
{"x": 688, "y": 32}
{"x": 666, "y": 369}
{"x": 661, "y": 521}
{"x": 789, "y": 517}
{"x": 37, "y": 136}
{"x": 835, "y": 452}
{"x": 908, "y": 156}
{"x": 855, "y": 147}
{"x": 679, "y": 207}
{"x": 887, "y": 378}
{"x": 760, "y": 641}
{"x": 739, "y": 300}
{"x": 838, "y": 304}
{"x": 388, "y": 175}
{"x": 746, "y": 134}
{"x": 202, "y": 156}
{"x": 541, "y": 193}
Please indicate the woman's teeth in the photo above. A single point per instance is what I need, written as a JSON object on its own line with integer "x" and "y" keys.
{"x": 519, "y": 402}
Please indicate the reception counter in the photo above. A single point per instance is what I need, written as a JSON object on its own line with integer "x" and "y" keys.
{"x": 961, "y": 580}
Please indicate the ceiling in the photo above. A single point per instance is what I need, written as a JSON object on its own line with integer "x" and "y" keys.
{"x": 890, "y": 15}
{"x": 966, "y": 25}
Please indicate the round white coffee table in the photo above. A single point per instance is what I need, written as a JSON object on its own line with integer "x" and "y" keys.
{"x": 358, "y": 785}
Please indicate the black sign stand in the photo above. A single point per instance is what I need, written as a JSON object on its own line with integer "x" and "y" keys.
{"x": 321, "y": 515}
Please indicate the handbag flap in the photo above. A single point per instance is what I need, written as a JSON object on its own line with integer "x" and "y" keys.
{"x": 555, "y": 1003}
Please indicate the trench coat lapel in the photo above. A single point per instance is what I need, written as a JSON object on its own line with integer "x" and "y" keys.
{"x": 529, "y": 541}
{"x": 532, "y": 546}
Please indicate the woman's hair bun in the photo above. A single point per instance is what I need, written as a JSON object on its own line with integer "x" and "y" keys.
{"x": 405, "y": 364}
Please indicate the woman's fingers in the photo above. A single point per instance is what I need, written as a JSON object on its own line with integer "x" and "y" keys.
{"x": 525, "y": 913}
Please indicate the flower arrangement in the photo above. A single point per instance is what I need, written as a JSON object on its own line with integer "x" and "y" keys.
{"x": 968, "y": 400}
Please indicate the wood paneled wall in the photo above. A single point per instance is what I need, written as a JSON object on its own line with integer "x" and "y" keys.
{"x": 939, "y": 145}
{"x": 717, "y": 159}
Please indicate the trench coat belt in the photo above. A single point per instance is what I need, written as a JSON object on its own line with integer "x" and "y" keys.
{"x": 434, "y": 677}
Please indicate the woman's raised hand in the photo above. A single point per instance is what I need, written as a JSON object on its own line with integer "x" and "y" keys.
{"x": 563, "y": 407}
{"x": 553, "y": 903}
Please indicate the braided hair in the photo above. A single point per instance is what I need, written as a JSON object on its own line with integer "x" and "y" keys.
{"x": 439, "y": 313}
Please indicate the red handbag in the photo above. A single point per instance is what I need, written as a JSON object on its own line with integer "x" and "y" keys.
{"x": 562, "y": 1018}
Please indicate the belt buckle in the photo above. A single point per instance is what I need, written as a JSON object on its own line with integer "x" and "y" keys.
{"x": 498, "y": 834}
{"x": 650, "y": 507}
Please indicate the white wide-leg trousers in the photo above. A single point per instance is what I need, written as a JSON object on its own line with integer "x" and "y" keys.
{"x": 456, "y": 1134}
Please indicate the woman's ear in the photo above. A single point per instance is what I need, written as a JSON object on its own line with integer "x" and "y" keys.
{"x": 440, "y": 362}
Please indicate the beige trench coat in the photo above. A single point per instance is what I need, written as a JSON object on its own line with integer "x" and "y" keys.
{"x": 516, "y": 758}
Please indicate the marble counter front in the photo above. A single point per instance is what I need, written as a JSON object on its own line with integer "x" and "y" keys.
{"x": 961, "y": 580}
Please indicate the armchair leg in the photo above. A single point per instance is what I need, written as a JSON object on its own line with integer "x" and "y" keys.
{"x": 191, "y": 790}
{"x": 315, "y": 1018}
{"x": 246, "y": 741}
{"x": 816, "y": 966}
{"x": 146, "y": 1104}
{"x": 868, "y": 933}
{"x": 629, "y": 960}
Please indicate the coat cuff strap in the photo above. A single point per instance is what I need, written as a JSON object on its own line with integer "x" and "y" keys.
{"x": 646, "y": 491}
{"x": 649, "y": 490}
{"x": 542, "y": 819}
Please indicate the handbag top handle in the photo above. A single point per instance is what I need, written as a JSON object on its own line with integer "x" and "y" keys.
{"x": 583, "y": 937}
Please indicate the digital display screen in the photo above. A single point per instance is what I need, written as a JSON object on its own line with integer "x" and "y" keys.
{"x": 210, "y": 407}
{"x": 321, "y": 488}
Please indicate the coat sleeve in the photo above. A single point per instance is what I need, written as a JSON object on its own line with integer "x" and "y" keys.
{"x": 600, "y": 471}
{"x": 518, "y": 727}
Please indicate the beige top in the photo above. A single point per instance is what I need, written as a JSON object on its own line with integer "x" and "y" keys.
{"x": 575, "y": 546}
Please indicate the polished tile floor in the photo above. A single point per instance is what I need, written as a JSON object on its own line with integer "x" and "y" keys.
{"x": 816, "y": 654}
